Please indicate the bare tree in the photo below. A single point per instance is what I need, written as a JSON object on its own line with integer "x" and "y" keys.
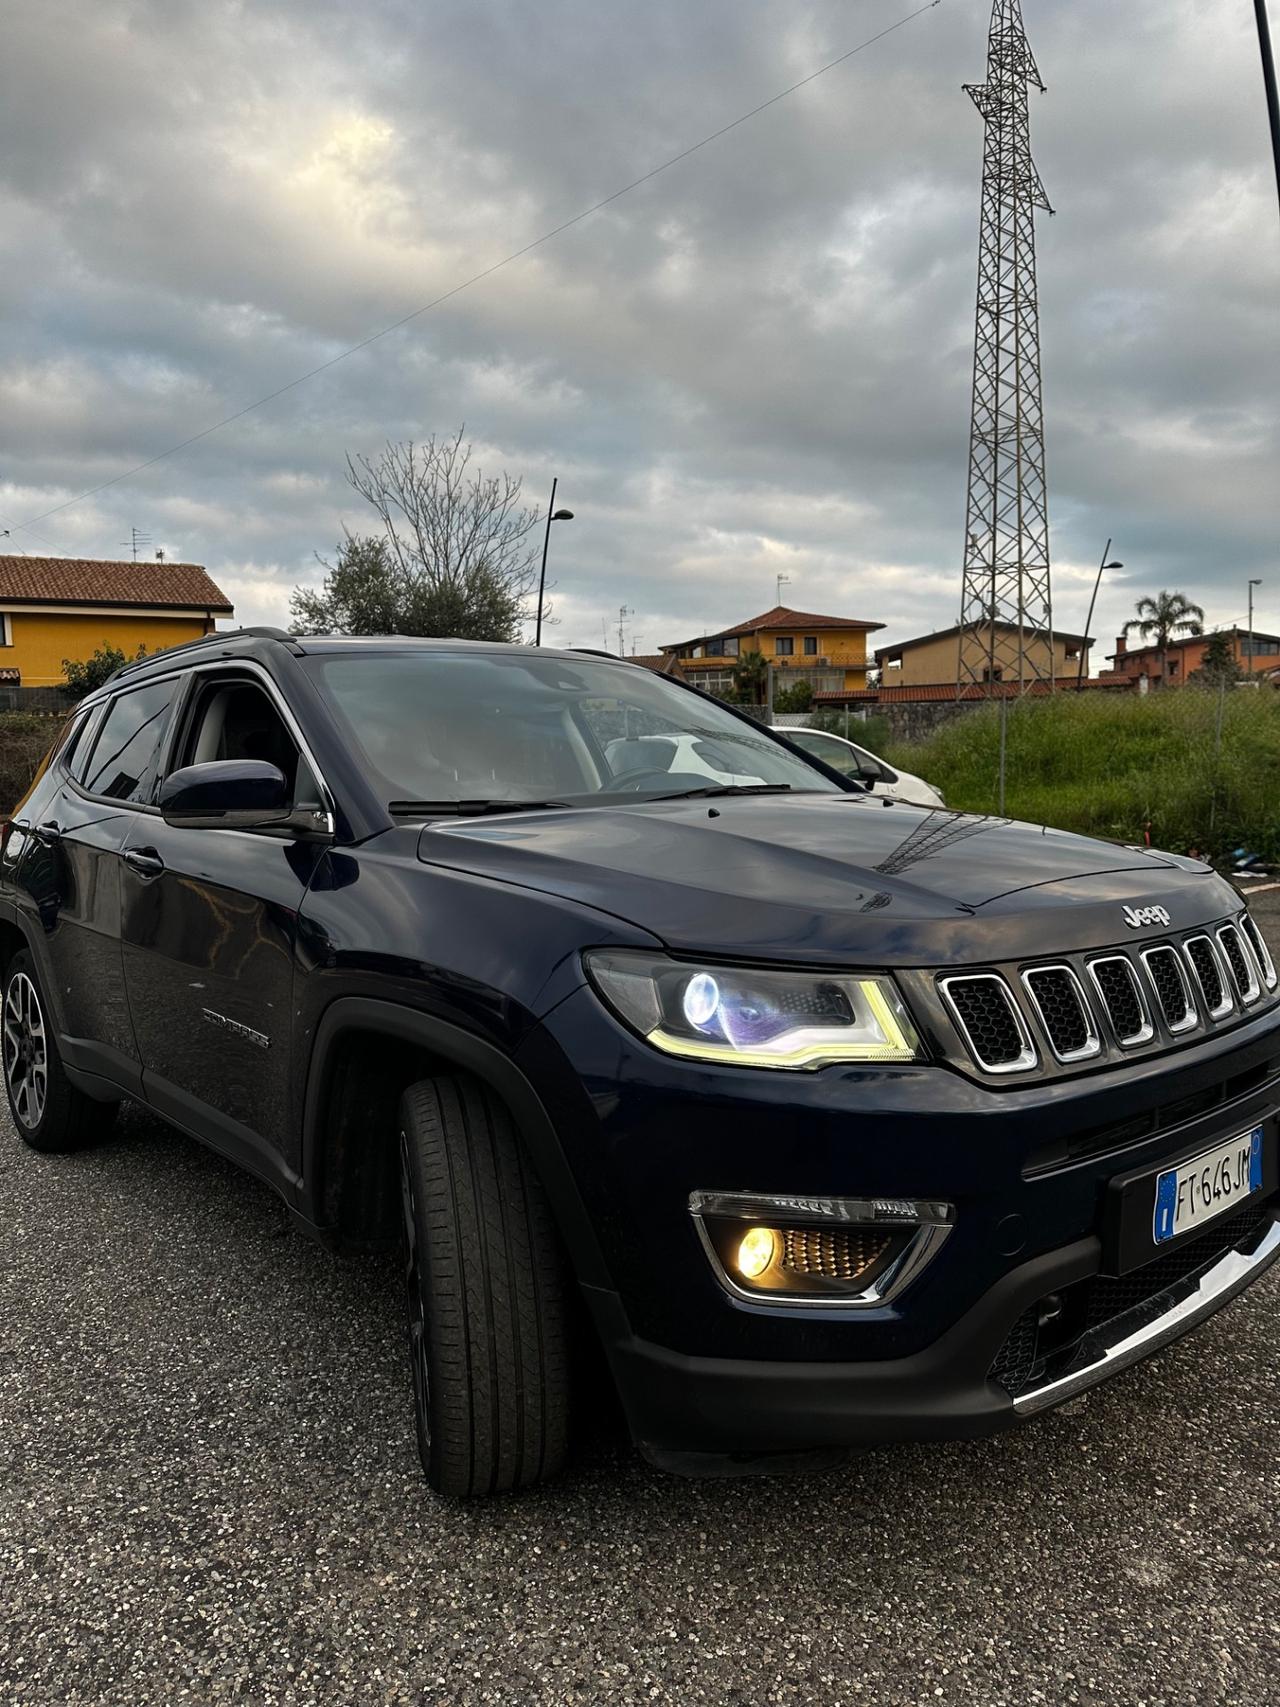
{"x": 460, "y": 551}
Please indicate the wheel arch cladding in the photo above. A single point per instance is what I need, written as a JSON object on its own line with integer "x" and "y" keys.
{"x": 367, "y": 1053}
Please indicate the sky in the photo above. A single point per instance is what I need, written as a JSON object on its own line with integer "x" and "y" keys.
{"x": 756, "y": 364}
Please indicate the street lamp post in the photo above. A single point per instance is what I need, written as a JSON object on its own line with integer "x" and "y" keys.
{"x": 553, "y": 515}
{"x": 1255, "y": 582}
{"x": 1269, "y": 80}
{"x": 1088, "y": 621}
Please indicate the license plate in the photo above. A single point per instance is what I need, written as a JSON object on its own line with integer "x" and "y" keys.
{"x": 1210, "y": 1185}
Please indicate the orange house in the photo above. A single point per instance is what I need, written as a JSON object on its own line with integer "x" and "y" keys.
{"x": 829, "y": 652}
{"x": 1255, "y": 654}
{"x": 53, "y": 608}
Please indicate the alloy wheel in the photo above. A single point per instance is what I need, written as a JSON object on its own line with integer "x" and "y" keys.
{"x": 25, "y": 1052}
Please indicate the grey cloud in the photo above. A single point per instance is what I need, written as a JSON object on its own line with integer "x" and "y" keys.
{"x": 760, "y": 361}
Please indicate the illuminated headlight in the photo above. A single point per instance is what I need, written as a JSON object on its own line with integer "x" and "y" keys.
{"x": 754, "y": 1018}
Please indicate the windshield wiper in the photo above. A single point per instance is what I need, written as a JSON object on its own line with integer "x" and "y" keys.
{"x": 470, "y": 808}
{"x": 717, "y": 788}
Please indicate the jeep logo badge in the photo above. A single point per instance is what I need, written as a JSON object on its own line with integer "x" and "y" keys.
{"x": 1136, "y": 917}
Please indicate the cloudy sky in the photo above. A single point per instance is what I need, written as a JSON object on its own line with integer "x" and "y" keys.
{"x": 757, "y": 363}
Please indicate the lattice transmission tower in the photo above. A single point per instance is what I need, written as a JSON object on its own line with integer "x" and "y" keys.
{"x": 1006, "y": 607}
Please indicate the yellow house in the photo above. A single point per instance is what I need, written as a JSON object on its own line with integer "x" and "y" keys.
{"x": 935, "y": 658}
{"x": 829, "y": 652}
{"x": 53, "y": 608}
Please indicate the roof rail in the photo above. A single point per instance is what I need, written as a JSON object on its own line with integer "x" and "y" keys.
{"x": 597, "y": 652}
{"x": 259, "y": 633}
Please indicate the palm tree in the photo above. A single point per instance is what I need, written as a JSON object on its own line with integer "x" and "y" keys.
{"x": 1163, "y": 617}
{"x": 751, "y": 678}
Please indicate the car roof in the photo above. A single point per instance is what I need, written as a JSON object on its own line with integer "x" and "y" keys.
{"x": 829, "y": 734}
{"x": 259, "y": 642}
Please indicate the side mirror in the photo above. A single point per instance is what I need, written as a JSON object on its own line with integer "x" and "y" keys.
{"x": 225, "y": 794}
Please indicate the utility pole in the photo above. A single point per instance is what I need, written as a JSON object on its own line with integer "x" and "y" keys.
{"x": 1006, "y": 595}
{"x": 1256, "y": 582}
{"x": 1269, "y": 79}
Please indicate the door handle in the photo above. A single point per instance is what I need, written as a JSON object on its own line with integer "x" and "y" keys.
{"x": 145, "y": 861}
{"x": 49, "y": 833}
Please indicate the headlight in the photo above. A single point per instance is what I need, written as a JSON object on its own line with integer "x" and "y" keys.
{"x": 754, "y": 1018}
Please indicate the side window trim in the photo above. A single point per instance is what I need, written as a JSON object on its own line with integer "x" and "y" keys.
{"x": 80, "y": 783}
{"x": 244, "y": 670}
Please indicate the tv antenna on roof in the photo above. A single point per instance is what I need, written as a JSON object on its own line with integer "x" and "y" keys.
{"x": 624, "y": 611}
{"x": 136, "y": 538}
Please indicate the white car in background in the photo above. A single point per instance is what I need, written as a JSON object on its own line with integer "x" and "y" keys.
{"x": 689, "y": 754}
{"x": 851, "y": 760}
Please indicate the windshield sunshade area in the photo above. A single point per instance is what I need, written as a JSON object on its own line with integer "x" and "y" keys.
{"x": 445, "y": 730}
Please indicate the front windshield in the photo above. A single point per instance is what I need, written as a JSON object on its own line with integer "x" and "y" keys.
{"x": 441, "y": 727}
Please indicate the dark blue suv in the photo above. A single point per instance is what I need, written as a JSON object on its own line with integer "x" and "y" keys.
{"x": 828, "y": 1119}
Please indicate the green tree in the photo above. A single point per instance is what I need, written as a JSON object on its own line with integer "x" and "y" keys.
{"x": 457, "y": 555}
{"x": 1218, "y": 667}
{"x": 1160, "y": 619}
{"x": 751, "y": 678}
{"x": 84, "y": 675}
{"x": 798, "y": 697}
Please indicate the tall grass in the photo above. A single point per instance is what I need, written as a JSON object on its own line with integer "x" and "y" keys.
{"x": 1122, "y": 766}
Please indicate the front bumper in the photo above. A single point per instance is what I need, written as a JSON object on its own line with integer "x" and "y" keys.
{"x": 684, "y": 1411}
{"x": 1028, "y": 1170}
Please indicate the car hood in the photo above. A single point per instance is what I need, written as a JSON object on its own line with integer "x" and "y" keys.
{"x": 830, "y": 876}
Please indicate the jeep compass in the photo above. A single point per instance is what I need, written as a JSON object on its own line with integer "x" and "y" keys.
{"x": 826, "y": 1119}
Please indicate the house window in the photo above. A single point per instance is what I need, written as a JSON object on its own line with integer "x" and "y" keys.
{"x": 715, "y": 681}
{"x": 811, "y": 646}
{"x": 731, "y": 648}
{"x": 990, "y": 675}
{"x": 715, "y": 648}
{"x": 6, "y": 630}
{"x": 784, "y": 646}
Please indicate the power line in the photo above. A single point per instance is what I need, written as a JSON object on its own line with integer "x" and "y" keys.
{"x": 25, "y": 527}
{"x": 487, "y": 272}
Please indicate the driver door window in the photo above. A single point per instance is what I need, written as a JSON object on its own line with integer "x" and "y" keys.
{"x": 237, "y": 720}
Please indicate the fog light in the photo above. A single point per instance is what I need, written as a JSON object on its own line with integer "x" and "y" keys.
{"x": 756, "y": 1251}
{"x": 839, "y": 1253}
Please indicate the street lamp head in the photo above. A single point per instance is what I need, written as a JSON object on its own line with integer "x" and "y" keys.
{"x": 1113, "y": 565}
{"x": 1256, "y": 581}
{"x": 562, "y": 516}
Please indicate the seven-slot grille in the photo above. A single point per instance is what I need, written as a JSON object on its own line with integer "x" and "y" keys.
{"x": 1242, "y": 974}
{"x": 1208, "y": 971}
{"x": 1262, "y": 954}
{"x": 1121, "y": 995}
{"x": 990, "y": 1022}
{"x": 1209, "y": 976}
{"x": 1064, "y": 1013}
{"x": 1172, "y": 987}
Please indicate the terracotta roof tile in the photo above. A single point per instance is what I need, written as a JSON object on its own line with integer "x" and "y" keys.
{"x": 947, "y": 690}
{"x": 781, "y": 616}
{"x": 89, "y": 581}
{"x": 661, "y": 662}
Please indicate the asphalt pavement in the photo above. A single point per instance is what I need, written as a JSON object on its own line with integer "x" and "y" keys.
{"x": 209, "y": 1493}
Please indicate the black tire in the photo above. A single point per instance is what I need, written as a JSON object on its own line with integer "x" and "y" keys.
{"x": 487, "y": 1295}
{"x": 49, "y": 1113}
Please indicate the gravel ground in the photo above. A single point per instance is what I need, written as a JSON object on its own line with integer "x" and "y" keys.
{"x": 208, "y": 1493}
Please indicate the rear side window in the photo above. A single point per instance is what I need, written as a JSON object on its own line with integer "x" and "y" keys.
{"x": 126, "y": 754}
